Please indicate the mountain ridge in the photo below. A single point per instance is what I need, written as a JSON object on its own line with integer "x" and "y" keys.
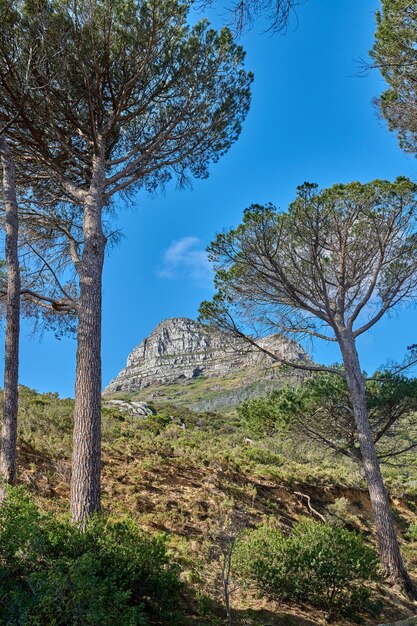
{"x": 180, "y": 349}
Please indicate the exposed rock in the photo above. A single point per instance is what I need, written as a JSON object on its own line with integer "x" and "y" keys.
{"x": 141, "y": 409}
{"x": 181, "y": 349}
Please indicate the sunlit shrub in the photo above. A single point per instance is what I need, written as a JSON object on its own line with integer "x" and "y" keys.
{"x": 318, "y": 564}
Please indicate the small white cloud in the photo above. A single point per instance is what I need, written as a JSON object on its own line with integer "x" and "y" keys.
{"x": 186, "y": 257}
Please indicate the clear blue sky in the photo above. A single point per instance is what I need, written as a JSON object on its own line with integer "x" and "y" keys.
{"x": 311, "y": 119}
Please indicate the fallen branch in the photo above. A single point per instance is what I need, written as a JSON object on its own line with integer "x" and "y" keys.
{"x": 310, "y": 508}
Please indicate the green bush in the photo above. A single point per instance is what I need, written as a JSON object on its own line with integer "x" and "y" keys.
{"x": 321, "y": 565}
{"x": 270, "y": 414}
{"x": 51, "y": 573}
{"x": 261, "y": 456}
{"x": 412, "y": 532}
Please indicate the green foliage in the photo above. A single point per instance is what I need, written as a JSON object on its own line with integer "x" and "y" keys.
{"x": 261, "y": 456}
{"x": 45, "y": 426}
{"x": 192, "y": 75}
{"x": 321, "y": 408}
{"x": 308, "y": 271}
{"x": 268, "y": 414}
{"x": 412, "y": 532}
{"x": 45, "y": 421}
{"x": 339, "y": 513}
{"x": 394, "y": 55}
{"x": 321, "y": 565}
{"x": 113, "y": 574}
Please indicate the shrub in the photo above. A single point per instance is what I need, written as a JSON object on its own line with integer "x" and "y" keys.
{"x": 51, "y": 573}
{"x": 412, "y": 532}
{"x": 322, "y": 565}
{"x": 269, "y": 414}
{"x": 261, "y": 456}
{"x": 339, "y": 514}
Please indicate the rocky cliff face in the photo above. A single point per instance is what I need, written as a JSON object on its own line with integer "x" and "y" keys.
{"x": 181, "y": 349}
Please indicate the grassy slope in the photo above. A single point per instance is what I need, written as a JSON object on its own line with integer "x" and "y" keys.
{"x": 198, "y": 484}
{"x": 211, "y": 394}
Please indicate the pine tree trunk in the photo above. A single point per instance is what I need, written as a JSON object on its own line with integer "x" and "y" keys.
{"x": 11, "y": 360}
{"x": 86, "y": 458}
{"x": 391, "y": 559}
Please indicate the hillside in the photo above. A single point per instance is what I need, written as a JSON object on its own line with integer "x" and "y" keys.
{"x": 193, "y": 475}
{"x": 221, "y": 393}
{"x": 183, "y": 362}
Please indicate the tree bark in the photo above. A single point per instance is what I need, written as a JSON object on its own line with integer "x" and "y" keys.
{"x": 391, "y": 559}
{"x": 11, "y": 360}
{"x": 86, "y": 458}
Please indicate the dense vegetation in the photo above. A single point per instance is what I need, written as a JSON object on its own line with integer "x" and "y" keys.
{"x": 312, "y": 271}
{"x": 317, "y": 564}
{"x": 51, "y": 573}
{"x": 99, "y": 98}
{"x": 204, "y": 480}
{"x": 136, "y": 97}
{"x": 322, "y": 409}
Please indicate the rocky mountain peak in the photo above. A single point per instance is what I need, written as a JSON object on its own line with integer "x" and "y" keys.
{"x": 181, "y": 349}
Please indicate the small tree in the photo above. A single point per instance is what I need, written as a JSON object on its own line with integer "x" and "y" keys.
{"x": 329, "y": 268}
{"x": 135, "y": 97}
{"x": 321, "y": 408}
{"x": 394, "y": 54}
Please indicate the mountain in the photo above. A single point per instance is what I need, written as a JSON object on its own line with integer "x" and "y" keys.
{"x": 181, "y": 351}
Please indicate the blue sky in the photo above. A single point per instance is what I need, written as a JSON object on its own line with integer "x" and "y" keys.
{"x": 311, "y": 119}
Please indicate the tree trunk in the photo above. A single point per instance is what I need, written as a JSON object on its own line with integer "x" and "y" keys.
{"x": 391, "y": 559}
{"x": 86, "y": 457}
{"x": 11, "y": 360}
